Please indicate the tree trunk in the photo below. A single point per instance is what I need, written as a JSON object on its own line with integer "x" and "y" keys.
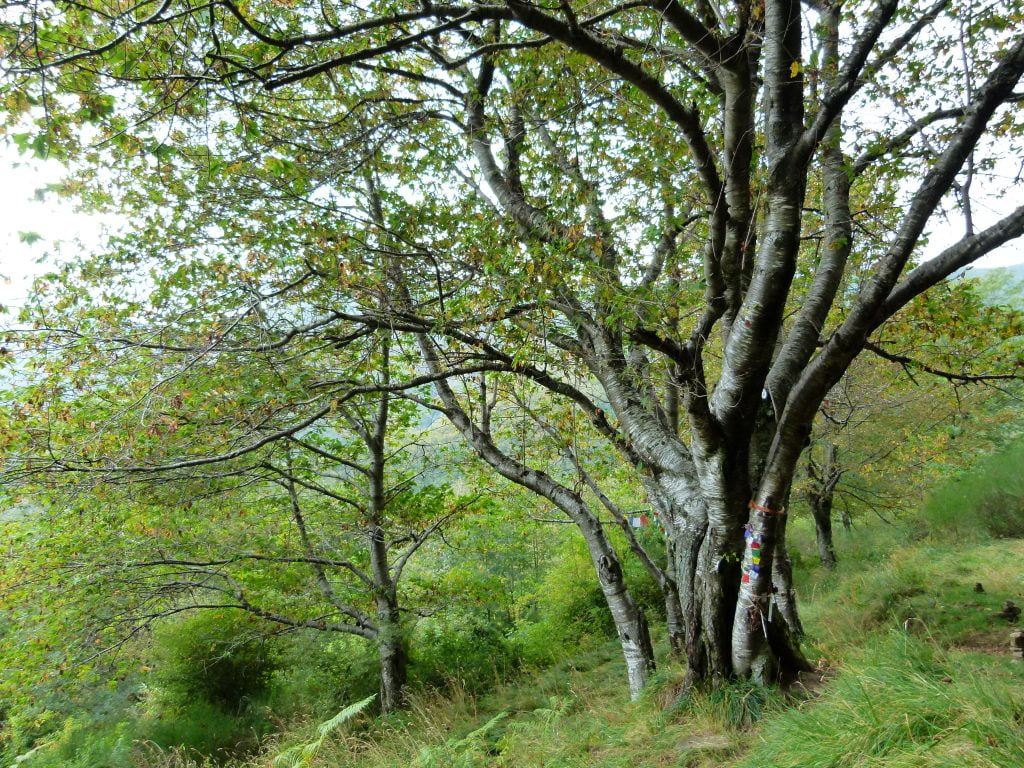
{"x": 390, "y": 640}
{"x": 675, "y": 618}
{"x": 820, "y": 499}
{"x": 783, "y": 594}
{"x": 675, "y": 621}
{"x": 689, "y": 558}
{"x": 765, "y": 647}
{"x": 629, "y": 619}
{"x": 707, "y": 591}
{"x": 821, "y": 510}
{"x": 393, "y": 660}
{"x": 715, "y": 599}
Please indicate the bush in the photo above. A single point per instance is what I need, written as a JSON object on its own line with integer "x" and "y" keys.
{"x": 202, "y": 728}
{"x": 86, "y": 744}
{"x": 466, "y": 648}
{"x": 213, "y": 656}
{"x": 211, "y": 670}
{"x": 318, "y": 675}
{"x": 642, "y": 586}
{"x": 987, "y": 501}
{"x": 90, "y": 713}
{"x": 569, "y": 611}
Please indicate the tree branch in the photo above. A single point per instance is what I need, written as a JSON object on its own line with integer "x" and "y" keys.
{"x": 963, "y": 378}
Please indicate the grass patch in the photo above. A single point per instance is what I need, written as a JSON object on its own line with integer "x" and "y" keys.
{"x": 903, "y": 702}
{"x": 927, "y": 589}
{"x": 574, "y": 715}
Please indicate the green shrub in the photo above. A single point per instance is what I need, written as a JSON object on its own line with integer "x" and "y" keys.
{"x": 1001, "y": 513}
{"x": 569, "y": 612}
{"x": 202, "y": 728}
{"x": 212, "y": 673}
{"x": 83, "y": 743}
{"x": 316, "y": 674}
{"x": 213, "y": 656}
{"x": 987, "y": 501}
{"x": 642, "y": 586}
{"x": 467, "y": 648}
{"x": 66, "y": 716}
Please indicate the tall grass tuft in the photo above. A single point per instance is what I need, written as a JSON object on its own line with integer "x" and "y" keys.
{"x": 901, "y": 703}
{"x": 736, "y": 705}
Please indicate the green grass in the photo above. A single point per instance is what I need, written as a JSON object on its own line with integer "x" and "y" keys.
{"x": 903, "y": 702}
{"x": 926, "y": 588}
{"x": 924, "y": 676}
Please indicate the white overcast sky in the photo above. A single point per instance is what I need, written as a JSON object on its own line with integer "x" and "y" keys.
{"x": 64, "y": 230}
{"x": 20, "y": 211}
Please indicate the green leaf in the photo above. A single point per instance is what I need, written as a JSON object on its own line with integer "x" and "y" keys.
{"x": 29, "y": 237}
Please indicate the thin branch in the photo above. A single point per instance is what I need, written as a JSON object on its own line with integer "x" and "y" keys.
{"x": 909, "y": 362}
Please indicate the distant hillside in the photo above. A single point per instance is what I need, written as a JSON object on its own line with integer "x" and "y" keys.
{"x": 1014, "y": 271}
{"x": 1001, "y": 285}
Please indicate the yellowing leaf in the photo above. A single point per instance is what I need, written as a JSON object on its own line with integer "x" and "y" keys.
{"x": 794, "y": 68}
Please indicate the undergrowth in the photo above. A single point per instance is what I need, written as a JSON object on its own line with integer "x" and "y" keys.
{"x": 916, "y": 667}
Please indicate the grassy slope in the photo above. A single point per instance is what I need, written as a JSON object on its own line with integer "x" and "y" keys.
{"x": 918, "y": 673}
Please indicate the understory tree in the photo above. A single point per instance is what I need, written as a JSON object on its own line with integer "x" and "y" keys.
{"x": 190, "y": 485}
{"x": 918, "y": 405}
{"x": 643, "y": 208}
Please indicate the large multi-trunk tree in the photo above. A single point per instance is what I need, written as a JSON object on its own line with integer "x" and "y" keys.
{"x": 643, "y": 207}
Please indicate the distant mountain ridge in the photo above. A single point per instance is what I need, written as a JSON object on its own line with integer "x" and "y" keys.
{"x": 1016, "y": 271}
{"x": 999, "y": 285}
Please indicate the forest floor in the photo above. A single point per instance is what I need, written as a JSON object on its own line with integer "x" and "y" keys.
{"x": 915, "y": 670}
